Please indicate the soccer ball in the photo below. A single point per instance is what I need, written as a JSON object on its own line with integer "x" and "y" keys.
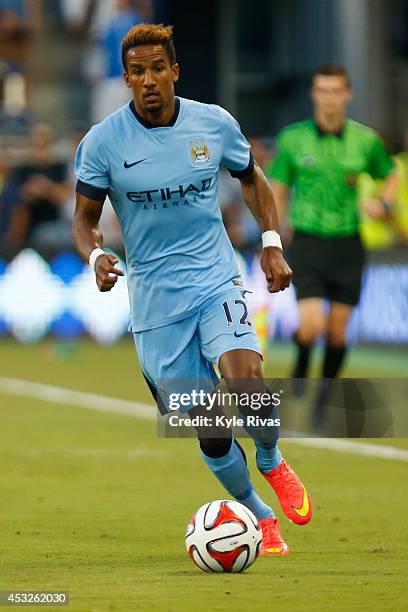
{"x": 223, "y": 536}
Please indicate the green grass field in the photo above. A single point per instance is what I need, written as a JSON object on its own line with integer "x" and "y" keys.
{"x": 95, "y": 504}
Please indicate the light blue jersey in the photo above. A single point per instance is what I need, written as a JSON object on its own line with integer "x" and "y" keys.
{"x": 163, "y": 185}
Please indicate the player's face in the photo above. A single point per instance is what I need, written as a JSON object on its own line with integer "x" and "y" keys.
{"x": 330, "y": 94}
{"x": 151, "y": 76}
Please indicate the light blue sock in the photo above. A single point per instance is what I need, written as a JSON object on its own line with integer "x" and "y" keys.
{"x": 232, "y": 472}
{"x": 267, "y": 457}
{"x": 256, "y": 505}
{"x": 266, "y": 438}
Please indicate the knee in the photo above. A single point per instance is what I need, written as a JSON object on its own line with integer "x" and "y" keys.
{"x": 309, "y": 331}
{"x": 240, "y": 364}
{"x": 248, "y": 379}
{"x": 253, "y": 369}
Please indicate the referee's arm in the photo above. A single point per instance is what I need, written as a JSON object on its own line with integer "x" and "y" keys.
{"x": 381, "y": 207}
{"x": 380, "y": 166}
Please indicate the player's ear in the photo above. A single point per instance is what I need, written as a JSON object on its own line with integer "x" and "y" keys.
{"x": 176, "y": 72}
{"x": 126, "y": 79}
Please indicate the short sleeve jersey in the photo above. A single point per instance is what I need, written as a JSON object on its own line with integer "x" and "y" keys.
{"x": 323, "y": 171}
{"x": 163, "y": 185}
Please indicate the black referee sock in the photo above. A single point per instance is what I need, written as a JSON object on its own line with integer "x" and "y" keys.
{"x": 333, "y": 360}
{"x": 302, "y": 360}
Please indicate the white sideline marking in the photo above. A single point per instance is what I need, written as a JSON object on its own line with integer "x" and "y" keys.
{"x": 59, "y": 395}
{"x": 67, "y": 397}
{"x": 97, "y": 453}
{"x": 347, "y": 446}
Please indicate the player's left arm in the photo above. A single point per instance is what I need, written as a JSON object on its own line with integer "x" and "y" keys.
{"x": 258, "y": 196}
{"x": 381, "y": 207}
{"x": 381, "y": 167}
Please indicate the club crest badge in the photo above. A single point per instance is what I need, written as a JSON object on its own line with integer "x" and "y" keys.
{"x": 200, "y": 154}
{"x": 308, "y": 160}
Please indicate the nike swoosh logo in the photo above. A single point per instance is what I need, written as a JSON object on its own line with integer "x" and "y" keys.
{"x": 304, "y": 509}
{"x": 239, "y": 335}
{"x": 273, "y": 550}
{"x": 126, "y": 165}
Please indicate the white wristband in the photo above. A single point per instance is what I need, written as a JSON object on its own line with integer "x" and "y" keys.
{"x": 92, "y": 258}
{"x": 271, "y": 239}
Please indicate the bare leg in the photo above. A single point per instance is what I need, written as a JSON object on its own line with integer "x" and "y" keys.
{"x": 313, "y": 322}
{"x": 242, "y": 370}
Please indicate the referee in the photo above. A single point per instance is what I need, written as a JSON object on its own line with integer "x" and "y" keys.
{"x": 316, "y": 170}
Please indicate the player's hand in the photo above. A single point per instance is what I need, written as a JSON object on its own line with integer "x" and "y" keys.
{"x": 105, "y": 271}
{"x": 277, "y": 272}
{"x": 374, "y": 209}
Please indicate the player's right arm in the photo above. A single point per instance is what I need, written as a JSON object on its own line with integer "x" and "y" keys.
{"x": 88, "y": 237}
{"x": 92, "y": 170}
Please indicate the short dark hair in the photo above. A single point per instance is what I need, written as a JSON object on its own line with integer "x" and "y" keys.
{"x": 149, "y": 34}
{"x": 332, "y": 70}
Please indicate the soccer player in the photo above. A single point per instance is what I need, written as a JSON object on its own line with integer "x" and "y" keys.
{"x": 316, "y": 168}
{"x": 158, "y": 158}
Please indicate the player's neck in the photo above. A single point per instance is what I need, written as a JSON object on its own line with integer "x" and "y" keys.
{"x": 330, "y": 123}
{"x": 162, "y": 118}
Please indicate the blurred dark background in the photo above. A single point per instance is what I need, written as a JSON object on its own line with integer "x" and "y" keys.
{"x": 60, "y": 72}
{"x": 234, "y": 52}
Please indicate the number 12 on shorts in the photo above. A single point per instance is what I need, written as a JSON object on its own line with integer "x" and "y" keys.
{"x": 244, "y": 317}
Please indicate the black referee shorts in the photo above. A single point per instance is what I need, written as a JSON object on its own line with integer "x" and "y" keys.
{"x": 327, "y": 267}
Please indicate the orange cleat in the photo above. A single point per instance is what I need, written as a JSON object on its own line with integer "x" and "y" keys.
{"x": 272, "y": 541}
{"x": 292, "y": 495}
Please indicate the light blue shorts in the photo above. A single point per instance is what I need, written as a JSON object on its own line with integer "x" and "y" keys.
{"x": 179, "y": 357}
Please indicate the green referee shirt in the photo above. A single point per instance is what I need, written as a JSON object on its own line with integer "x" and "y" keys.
{"x": 323, "y": 170}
